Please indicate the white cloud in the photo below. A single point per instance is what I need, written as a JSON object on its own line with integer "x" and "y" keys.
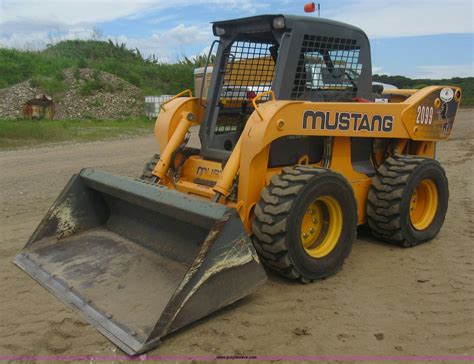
{"x": 205, "y": 51}
{"x": 244, "y": 6}
{"x": 388, "y": 18}
{"x": 183, "y": 35}
{"x": 377, "y": 69}
{"x": 72, "y": 12}
{"x": 69, "y": 12}
{"x": 34, "y": 38}
{"x": 161, "y": 19}
{"x": 444, "y": 71}
{"x": 170, "y": 45}
{"x": 31, "y": 24}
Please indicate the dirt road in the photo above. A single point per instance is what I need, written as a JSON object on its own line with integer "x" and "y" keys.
{"x": 385, "y": 301}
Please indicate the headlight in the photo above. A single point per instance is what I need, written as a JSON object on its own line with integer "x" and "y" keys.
{"x": 279, "y": 22}
{"x": 219, "y": 31}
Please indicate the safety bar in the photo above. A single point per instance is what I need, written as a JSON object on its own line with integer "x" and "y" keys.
{"x": 187, "y": 91}
{"x": 259, "y": 96}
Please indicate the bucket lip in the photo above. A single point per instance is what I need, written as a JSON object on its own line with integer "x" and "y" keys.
{"x": 126, "y": 341}
{"x": 114, "y": 185}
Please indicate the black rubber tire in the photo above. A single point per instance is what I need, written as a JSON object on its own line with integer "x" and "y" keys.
{"x": 388, "y": 202}
{"x": 278, "y": 214}
{"x": 149, "y": 167}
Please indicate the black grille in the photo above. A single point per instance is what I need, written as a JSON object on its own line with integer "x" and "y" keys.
{"x": 328, "y": 69}
{"x": 249, "y": 67}
{"x": 248, "y": 72}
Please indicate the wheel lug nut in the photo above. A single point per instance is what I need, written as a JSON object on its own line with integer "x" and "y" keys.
{"x": 305, "y": 235}
{"x": 311, "y": 230}
{"x": 315, "y": 220}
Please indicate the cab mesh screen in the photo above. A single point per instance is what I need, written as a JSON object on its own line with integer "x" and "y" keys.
{"x": 249, "y": 71}
{"x": 249, "y": 68}
{"x": 328, "y": 69}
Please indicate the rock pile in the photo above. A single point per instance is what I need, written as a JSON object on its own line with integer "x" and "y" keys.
{"x": 88, "y": 94}
{"x": 13, "y": 99}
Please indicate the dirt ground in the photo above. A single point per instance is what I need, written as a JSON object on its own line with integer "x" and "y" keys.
{"x": 385, "y": 301}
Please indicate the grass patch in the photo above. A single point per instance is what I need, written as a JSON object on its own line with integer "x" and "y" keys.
{"x": 53, "y": 86}
{"x": 77, "y": 74}
{"x": 90, "y": 87}
{"x": 146, "y": 73}
{"x": 25, "y": 133}
{"x": 96, "y": 103}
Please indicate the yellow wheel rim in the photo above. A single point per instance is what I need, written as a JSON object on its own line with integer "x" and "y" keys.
{"x": 321, "y": 226}
{"x": 423, "y": 204}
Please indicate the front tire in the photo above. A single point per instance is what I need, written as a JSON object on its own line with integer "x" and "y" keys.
{"x": 305, "y": 223}
{"x": 147, "y": 174}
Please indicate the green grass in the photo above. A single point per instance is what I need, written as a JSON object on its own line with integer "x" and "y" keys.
{"x": 148, "y": 74}
{"x": 16, "y": 134}
{"x": 52, "y": 86}
{"x": 90, "y": 87}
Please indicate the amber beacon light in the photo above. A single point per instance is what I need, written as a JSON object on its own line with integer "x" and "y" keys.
{"x": 309, "y": 8}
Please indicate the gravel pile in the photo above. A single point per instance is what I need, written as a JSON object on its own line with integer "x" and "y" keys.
{"x": 88, "y": 94}
{"x": 12, "y": 99}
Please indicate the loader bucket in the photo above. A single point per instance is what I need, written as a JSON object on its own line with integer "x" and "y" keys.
{"x": 139, "y": 261}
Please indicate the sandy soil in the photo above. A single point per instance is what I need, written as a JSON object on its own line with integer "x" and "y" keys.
{"x": 385, "y": 301}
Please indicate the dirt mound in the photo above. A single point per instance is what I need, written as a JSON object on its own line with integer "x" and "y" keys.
{"x": 85, "y": 94}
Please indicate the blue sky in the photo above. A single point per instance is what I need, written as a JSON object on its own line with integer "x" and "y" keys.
{"x": 432, "y": 39}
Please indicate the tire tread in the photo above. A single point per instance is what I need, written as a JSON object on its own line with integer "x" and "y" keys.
{"x": 271, "y": 216}
{"x": 385, "y": 197}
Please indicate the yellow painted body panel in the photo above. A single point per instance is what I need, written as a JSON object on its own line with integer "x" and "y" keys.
{"x": 168, "y": 119}
{"x": 197, "y": 167}
{"x": 407, "y": 92}
{"x": 414, "y": 124}
{"x": 194, "y": 189}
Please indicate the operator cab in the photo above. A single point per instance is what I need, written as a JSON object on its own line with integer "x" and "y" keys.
{"x": 297, "y": 57}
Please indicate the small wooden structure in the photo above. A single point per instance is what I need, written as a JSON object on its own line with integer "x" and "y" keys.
{"x": 41, "y": 107}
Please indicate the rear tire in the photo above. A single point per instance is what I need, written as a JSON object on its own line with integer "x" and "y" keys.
{"x": 147, "y": 174}
{"x": 408, "y": 200}
{"x": 286, "y": 236}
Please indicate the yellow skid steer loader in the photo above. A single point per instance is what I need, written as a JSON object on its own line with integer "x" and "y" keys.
{"x": 296, "y": 152}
